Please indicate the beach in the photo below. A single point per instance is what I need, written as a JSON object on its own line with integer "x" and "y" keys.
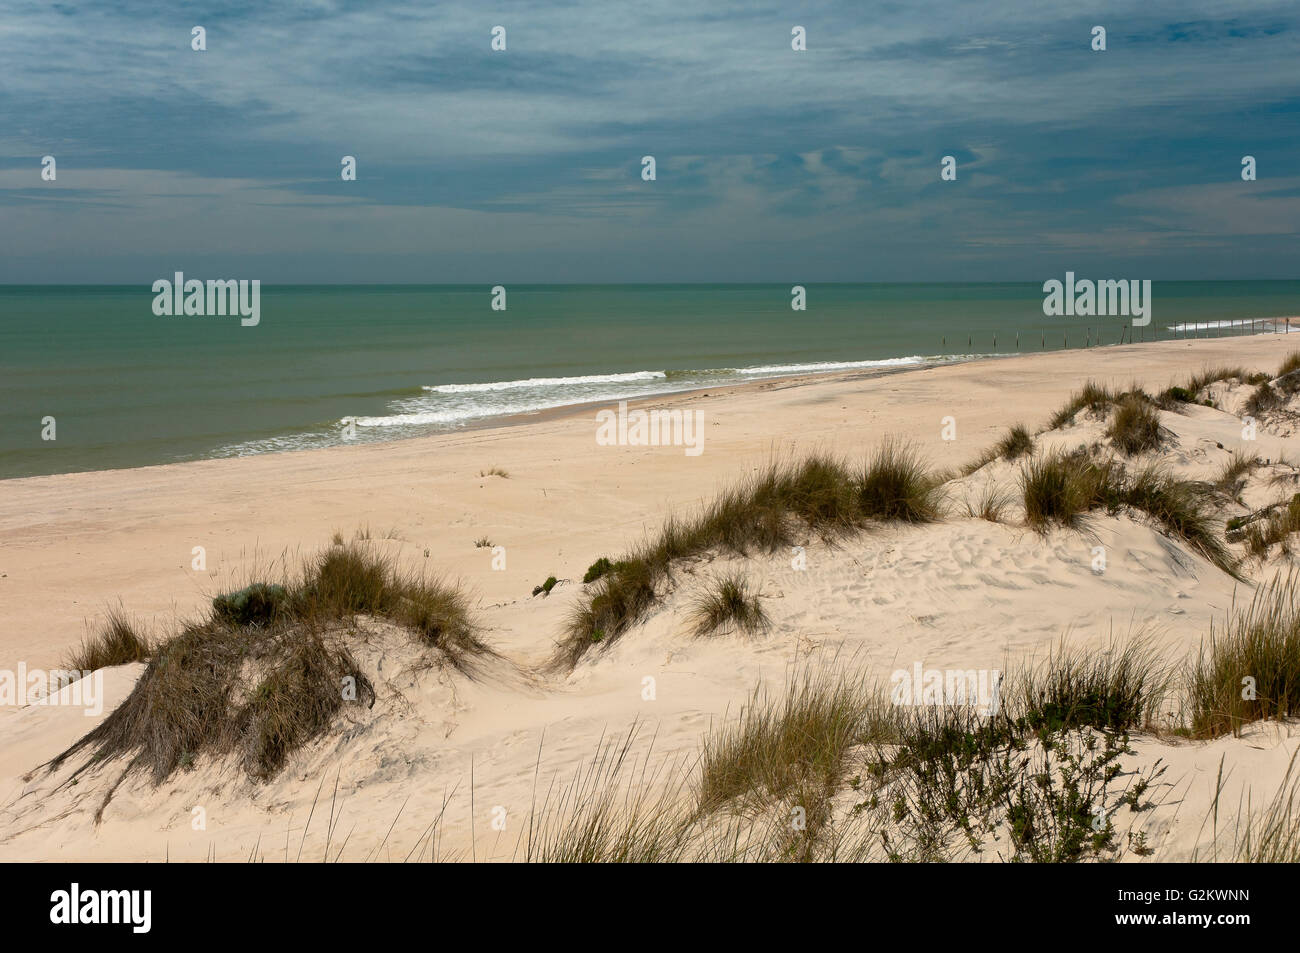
{"x": 960, "y": 592}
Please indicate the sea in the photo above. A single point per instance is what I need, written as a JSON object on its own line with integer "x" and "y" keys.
{"x": 91, "y": 378}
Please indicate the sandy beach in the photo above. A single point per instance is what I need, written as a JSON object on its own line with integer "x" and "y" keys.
{"x": 960, "y": 592}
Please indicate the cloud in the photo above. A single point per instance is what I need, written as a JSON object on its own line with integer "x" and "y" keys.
{"x": 533, "y": 154}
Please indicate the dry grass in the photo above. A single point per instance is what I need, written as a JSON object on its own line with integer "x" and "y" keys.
{"x": 1091, "y": 397}
{"x": 1231, "y": 478}
{"x": 1291, "y": 363}
{"x": 990, "y": 505}
{"x": 726, "y": 604}
{"x": 1120, "y": 686}
{"x": 1272, "y": 836}
{"x": 1016, "y": 443}
{"x": 1136, "y": 426}
{"x": 896, "y": 485}
{"x": 1182, "y": 509}
{"x": 1274, "y": 530}
{"x": 797, "y": 742}
{"x": 1263, "y": 400}
{"x": 1059, "y": 488}
{"x": 118, "y": 642}
{"x": 269, "y": 669}
{"x": 773, "y": 509}
{"x": 1252, "y": 670}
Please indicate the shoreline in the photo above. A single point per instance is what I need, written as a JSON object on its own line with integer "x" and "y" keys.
{"x": 642, "y": 401}
{"x": 961, "y": 592}
{"x": 77, "y": 543}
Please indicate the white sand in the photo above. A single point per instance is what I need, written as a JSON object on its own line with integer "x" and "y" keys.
{"x": 961, "y": 593}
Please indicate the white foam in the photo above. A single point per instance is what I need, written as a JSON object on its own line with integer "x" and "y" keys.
{"x": 532, "y": 382}
{"x": 831, "y": 366}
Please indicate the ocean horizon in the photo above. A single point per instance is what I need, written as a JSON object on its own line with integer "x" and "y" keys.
{"x": 341, "y": 363}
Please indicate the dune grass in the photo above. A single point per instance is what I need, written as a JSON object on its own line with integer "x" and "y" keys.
{"x": 1251, "y": 670}
{"x": 776, "y": 508}
{"x": 1059, "y": 488}
{"x": 1182, "y": 509}
{"x": 1272, "y": 835}
{"x": 1135, "y": 427}
{"x": 795, "y": 741}
{"x": 1231, "y": 478}
{"x": 1212, "y": 375}
{"x": 1275, "y": 529}
{"x": 613, "y": 810}
{"x": 1264, "y": 399}
{"x": 727, "y": 604}
{"x": 269, "y": 669}
{"x": 1091, "y": 397}
{"x": 1120, "y": 686}
{"x": 118, "y": 642}
{"x": 895, "y": 485}
{"x": 1016, "y": 443}
{"x": 990, "y": 505}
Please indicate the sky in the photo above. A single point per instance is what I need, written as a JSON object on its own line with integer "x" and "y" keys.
{"x": 524, "y": 165}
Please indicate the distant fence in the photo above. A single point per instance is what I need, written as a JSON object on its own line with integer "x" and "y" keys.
{"x": 1210, "y": 329}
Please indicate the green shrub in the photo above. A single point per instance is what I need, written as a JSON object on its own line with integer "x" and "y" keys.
{"x": 257, "y": 604}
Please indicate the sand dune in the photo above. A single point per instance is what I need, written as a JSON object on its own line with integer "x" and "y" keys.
{"x": 441, "y": 755}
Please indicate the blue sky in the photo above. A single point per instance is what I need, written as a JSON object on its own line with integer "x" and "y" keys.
{"x": 524, "y": 165}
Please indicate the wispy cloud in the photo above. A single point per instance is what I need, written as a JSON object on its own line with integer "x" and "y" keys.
{"x": 525, "y": 165}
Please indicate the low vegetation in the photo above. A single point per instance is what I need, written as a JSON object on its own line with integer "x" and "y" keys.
{"x": 1092, "y": 397}
{"x": 269, "y": 669}
{"x": 1264, "y": 399}
{"x": 1136, "y": 426}
{"x": 776, "y": 508}
{"x": 1017, "y": 443}
{"x": 597, "y": 569}
{"x": 1291, "y": 363}
{"x": 118, "y": 642}
{"x": 1251, "y": 670}
{"x": 990, "y": 504}
{"x": 1061, "y": 488}
{"x": 1231, "y": 478}
{"x": 726, "y": 604}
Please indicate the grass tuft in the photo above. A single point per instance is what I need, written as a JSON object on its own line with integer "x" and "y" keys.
{"x": 118, "y": 642}
{"x": 897, "y": 486}
{"x": 1252, "y": 670}
{"x": 726, "y": 604}
{"x": 1136, "y": 426}
{"x": 1091, "y": 397}
{"x": 269, "y": 669}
